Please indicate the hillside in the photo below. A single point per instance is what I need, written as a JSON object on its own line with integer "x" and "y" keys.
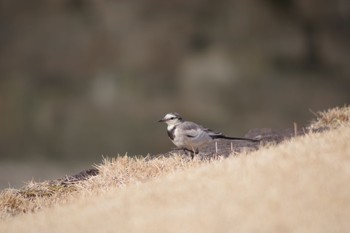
{"x": 299, "y": 185}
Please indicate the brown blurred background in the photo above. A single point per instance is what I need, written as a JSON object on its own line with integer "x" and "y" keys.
{"x": 84, "y": 78}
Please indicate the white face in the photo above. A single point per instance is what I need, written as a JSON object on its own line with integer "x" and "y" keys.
{"x": 171, "y": 119}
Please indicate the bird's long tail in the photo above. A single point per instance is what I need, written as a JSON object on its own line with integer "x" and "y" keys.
{"x": 235, "y": 138}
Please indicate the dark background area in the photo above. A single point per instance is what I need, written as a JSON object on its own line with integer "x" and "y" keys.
{"x": 84, "y": 78}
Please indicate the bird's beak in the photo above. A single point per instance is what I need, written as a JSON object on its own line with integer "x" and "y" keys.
{"x": 161, "y": 120}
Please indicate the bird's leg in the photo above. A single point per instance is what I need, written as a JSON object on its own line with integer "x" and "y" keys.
{"x": 194, "y": 152}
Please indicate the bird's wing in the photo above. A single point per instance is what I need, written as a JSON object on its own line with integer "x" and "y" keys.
{"x": 191, "y": 129}
{"x": 211, "y": 132}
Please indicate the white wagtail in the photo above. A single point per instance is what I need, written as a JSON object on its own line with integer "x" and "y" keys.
{"x": 191, "y": 136}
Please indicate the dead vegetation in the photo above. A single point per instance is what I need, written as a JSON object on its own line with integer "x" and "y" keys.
{"x": 111, "y": 173}
{"x": 297, "y": 185}
{"x": 332, "y": 118}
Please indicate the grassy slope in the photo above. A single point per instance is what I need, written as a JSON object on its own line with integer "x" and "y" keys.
{"x": 301, "y": 185}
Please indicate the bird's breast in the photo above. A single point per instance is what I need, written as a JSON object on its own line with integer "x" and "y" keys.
{"x": 171, "y": 132}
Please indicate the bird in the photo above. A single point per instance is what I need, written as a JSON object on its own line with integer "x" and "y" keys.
{"x": 190, "y": 136}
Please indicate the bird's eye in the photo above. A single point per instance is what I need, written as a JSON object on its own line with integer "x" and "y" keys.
{"x": 172, "y": 118}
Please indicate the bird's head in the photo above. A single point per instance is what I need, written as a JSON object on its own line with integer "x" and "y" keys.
{"x": 172, "y": 119}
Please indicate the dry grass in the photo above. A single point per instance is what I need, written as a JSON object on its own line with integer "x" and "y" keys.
{"x": 117, "y": 172}
{"x": 332, "y": 118}
{"x": 301, "y": 185}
